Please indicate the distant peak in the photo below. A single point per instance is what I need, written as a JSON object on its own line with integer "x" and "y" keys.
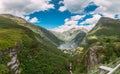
{"x": 8, "y": 15}
{"x": 106, "y": 18}
{"x": 65, "y": 29}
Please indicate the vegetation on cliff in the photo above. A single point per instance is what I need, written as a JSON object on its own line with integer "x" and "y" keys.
{"x": 34, "y": 56}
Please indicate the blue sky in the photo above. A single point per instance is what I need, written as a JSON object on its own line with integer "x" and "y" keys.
{"x": 62, "y": 15}
{"x": 53, "y": 18}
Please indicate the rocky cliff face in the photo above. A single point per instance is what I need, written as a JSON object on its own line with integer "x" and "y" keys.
{"x": 92, "y": 58}
{"x": 105, "y": 34}
{"x": 13, "y": 62}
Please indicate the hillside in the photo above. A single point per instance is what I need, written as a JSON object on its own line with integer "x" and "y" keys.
{"x": 74, "y": 43}
{"x": 23, "y": 50}
{"x": 44, "y": 35}
{"x": 29, "y": 49}
{"x": 71, "y": 38}
{"x": 68, "y": 35}
{"x": 102, "y": 46}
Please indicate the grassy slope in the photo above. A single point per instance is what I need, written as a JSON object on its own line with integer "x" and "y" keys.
{"x": 43, "y": 35}
{"x": 35, "y": 57}
{"x": 10, "y": 34}
{"x": 107, "y": 34}
{"x": 112, "y": 64}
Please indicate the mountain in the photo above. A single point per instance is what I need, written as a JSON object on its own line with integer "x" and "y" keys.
{"x": 102, "y": 46}
{"x": 29, "y": 49}
{"x": 71, "y": 38}
{"x": 106, "y": 28}
{"x": 44, "y": 35}
{"x": 68, "y": 35}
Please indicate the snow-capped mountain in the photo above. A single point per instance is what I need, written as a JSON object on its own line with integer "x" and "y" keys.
{"x": 68, "y": 34}
{"x": 71, "y": 37}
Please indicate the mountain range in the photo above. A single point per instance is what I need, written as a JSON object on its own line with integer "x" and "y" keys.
{"x": 101, "y": 47}
{"x": 71, "y": 38}
{"x": 26, "y": 48}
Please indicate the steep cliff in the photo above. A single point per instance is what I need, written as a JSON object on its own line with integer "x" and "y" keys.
{"x": 102, "y": 45}
{"x": 92, "y": 57}
{"x": 103, "y": 42}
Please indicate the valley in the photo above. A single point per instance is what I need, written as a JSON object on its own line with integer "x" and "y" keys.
{"x": 26, "y": 48}
{"x": 71, "y": 39}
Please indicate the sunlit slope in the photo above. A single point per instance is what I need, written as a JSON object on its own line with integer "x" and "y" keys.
{"x": 34, "y": 56}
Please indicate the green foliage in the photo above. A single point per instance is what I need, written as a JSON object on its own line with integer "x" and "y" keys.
{"x": 39, "y": 59}
{"x": 106, "y": 34}
{"x": 37, "y": 56}
{"x": 111, "y": 64}
{"x": 9, "y": 38}
{"x": 3, "y": 69}
{"x": 91, "y": 41}
{"x": 4, "y": 59}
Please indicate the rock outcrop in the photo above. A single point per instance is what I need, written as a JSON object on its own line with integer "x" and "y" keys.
{"x": 92, "y": 58}
{"x": 13, "y": 64}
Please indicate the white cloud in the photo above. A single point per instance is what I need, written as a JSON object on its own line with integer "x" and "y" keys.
{"x": 62, "y": 8}
{"x": 27, "y": 18}
{"x": 108, "y": 8}
{"x": 69, "y": 23}
{"x": 24, "y": 7}
{"x": 76, "y": 6}
{"x": 33, "y": 20}
{"x": 77, "y": 17}
{"x": 117, "y": 16}
{"x": 73, "y": 23}
{"x": 92, "y": 22}
{"x": 61, "y": 2}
